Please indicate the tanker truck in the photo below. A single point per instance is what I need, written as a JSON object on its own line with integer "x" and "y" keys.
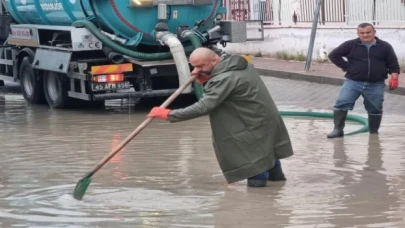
{"x": 63, "y": 51}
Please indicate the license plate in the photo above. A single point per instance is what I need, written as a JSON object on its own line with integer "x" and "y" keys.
{"x": 110, "y": 86}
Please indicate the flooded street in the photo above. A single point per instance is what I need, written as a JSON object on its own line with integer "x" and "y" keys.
{"x": 168, "y": 175}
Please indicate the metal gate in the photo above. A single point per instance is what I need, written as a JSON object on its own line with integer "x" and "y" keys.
{"x": 331, "y": 11}
{"x": 238, "y": 10}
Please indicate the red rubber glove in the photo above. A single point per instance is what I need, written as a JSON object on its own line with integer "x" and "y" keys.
{"x": 159, "y": 112}
{"x": 393, "y": 83}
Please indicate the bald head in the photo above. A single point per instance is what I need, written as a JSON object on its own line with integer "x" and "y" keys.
{"x": 202, "y": 54}
{"x": 203, "y": 60}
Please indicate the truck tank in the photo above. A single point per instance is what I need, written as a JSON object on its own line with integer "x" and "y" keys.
{"x": 133, "y": 20}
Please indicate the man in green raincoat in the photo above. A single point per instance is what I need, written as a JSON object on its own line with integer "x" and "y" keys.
{"x": 249, "y": 135}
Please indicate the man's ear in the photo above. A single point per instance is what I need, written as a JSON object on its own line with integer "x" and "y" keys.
{"x": 215, "y": 60}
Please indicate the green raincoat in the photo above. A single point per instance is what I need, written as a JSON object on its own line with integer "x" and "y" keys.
{"x": 247, "y": 130}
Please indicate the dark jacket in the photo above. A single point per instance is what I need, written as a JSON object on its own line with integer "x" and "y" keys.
{"x": 371, "y": 65}
{"x": 247, "y": 130}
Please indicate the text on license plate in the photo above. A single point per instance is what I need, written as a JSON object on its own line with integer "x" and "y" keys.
{"x": 110, "y": 86}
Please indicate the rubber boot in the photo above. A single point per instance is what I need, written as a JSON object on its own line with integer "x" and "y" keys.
{"x": 258, "y": 180}
{"x": 276, "y": 173}
{"x": 374, "y": 121}
{"x": 339, "y": 117}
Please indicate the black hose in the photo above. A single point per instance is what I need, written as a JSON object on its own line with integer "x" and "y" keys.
{"x": 93, "y": 10}
{"x": 84, "y": 11}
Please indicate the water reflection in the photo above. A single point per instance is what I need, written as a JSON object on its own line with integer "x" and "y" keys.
{"x": 247, "y": 207}
{"x": 366, "y": 196}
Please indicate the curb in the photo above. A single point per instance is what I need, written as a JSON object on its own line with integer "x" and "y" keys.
{"x": 315, "y": 79}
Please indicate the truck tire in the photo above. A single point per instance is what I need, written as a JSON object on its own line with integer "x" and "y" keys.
{"x": 55, "y": 89}
{"x": 31, "y": 84}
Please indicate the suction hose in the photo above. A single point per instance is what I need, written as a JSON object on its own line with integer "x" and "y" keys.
{"x": 351, "y": 117}
{"x": 179, "y": 56}
{"x": 118, "y": 48}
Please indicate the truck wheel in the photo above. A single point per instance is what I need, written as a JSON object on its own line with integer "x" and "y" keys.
{"x": 31, "y": 85}
{"x": 56, "y": 92}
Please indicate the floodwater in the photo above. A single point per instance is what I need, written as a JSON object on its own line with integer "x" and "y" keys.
{"x": 168, "y": 175}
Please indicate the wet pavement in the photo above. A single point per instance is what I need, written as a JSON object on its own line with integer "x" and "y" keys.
{"x": 168, "y": 175}
{"x": 325, "y": 69}
{"x": 319, "y": 72}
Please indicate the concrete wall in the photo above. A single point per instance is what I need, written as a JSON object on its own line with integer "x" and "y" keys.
{"x": 295, "y": 40}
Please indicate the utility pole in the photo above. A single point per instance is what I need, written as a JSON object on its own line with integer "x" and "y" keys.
{"x": 313, "y": 32}
{"x": 279, "y": 12}
{"x": 374, "y": 11}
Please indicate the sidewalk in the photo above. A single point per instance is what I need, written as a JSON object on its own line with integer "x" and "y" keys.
{"x": 324, "y": 73}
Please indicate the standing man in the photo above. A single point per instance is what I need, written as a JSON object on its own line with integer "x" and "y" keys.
{"x": 369, "y": 61}
{"x": 248, "y": 133}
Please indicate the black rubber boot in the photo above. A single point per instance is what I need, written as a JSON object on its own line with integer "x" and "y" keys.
{"x": 339, "y": 117}
{"x": 276, "y": 173}
{"x": 374, "y": 121}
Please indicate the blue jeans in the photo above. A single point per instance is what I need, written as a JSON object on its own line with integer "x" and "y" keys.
{"x": 265, "y": 175}
{"x": 372, "y": 92}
